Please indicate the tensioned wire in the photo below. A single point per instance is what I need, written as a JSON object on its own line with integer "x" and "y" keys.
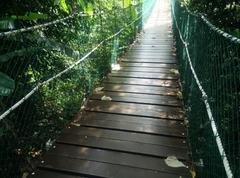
{"x": 200, "y": 87}
{"x": 17, "y": 104}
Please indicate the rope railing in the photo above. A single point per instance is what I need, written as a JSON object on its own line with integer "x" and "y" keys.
{"x": 212, "y": 128}
{"x": 219, "y": 31}
{"x": 47, "y": 70}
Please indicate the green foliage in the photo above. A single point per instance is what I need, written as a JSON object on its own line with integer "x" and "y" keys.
{"x": 35, "y": 56}
{"x": 127, "y": 3}
{"x": 6, "y": 24}
{"x": 30, "y": 16}
{"x": 224, "y": 13}
{"x": 87, "y": 7}
{"x": 63, "y": 5}
{"x": 7, "y": 85}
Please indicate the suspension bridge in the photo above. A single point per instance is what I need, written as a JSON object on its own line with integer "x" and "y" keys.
{"x": 169, "y": 108}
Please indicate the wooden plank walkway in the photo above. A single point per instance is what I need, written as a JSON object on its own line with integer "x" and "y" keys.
{"x": 131, "y": 135}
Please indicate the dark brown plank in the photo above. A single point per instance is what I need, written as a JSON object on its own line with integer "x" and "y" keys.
{"x": 133, "y": 119}
{"x": 162, "y": 65}
{"x": 125, "y": 135}
{"x": 146, "y": 75}
{"x": 148, "y": 42}
{"x": 157, "y": 35}
{"x": 161, "y": 112}
{"x": 99, "y": 169}
{"x": 157, "y": 54}
{"x": 147, "y": 54}
{"x": 155, "y": 60}
{"x": 53, "y": 174}
{"x": 123, "y": 146}
{"x": 136, "y": 128}
{"x": 138, "y": 98}
{"x": 140, "y": 81}
{"x": 147, "y": 69}
{"x": 153, "y": 90}
{"x": 116, "y": 158}
{"x": 156, "y": 43}
{"x": 153, "y": 51}
{"x": 152, "y": 47}
{"x": 154, "y": 39}
{"x": 161, "y": 30}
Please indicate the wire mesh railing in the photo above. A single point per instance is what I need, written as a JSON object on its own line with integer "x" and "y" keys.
{"x": 47, "y": 70}
{"x": 209, "y": 62}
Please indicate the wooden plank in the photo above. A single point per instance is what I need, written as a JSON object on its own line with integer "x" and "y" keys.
{"x": 116, "y": 158}
{"x": 162, "y": 65}
{"x": 145, "y": 75}
{"x": 153, "y": 47}
{"x": 131, "y": 136}
{"x": 136, "y": 128}
{"x": 170, "y": 43}
{"x": 140, "y": 81}
{"x": 160, "y": 53}
{"x": 133, "y": 119}
{"x": 138, "y": 98}
{"x": 156, "y": 60}
{"x": 152, "y": 90}
{"x": 159, "y": 40}
{"x": 153, "y": 51}
{"x": 123, "y": 146}
{"x": 98, "y": 169}
{"x": 147, "y": 69}
{"x": 163, "y": 31}
{"x": 160, "y": 112}
{"x": 148, "y": 42}
{"x": 159, "y": 29}
{"x": 163, "y": 45}
{"x": 154, "y": 54}
{"x": 45, "y": 173}
{"x": 154, "y": 39}
{"x": 157, "y": 36}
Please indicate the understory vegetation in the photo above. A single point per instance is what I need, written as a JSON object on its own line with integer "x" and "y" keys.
{"x": 222, "y": 13}
{"x": 34, "y": 56}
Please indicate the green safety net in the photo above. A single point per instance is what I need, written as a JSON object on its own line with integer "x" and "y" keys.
{"x": 49, "y": 66}
{"x": 209, "y": 62}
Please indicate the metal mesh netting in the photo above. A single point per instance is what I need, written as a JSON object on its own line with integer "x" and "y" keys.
{"x": 31, "y": 64}
{"x": 215, "y": 59}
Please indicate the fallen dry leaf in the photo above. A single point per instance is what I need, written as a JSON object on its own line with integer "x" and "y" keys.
{"x": 116, "y": 67}
{"x": 98, "y": 89}
{"x": 106, "y": 98}
{"x": 172, "y": 161}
